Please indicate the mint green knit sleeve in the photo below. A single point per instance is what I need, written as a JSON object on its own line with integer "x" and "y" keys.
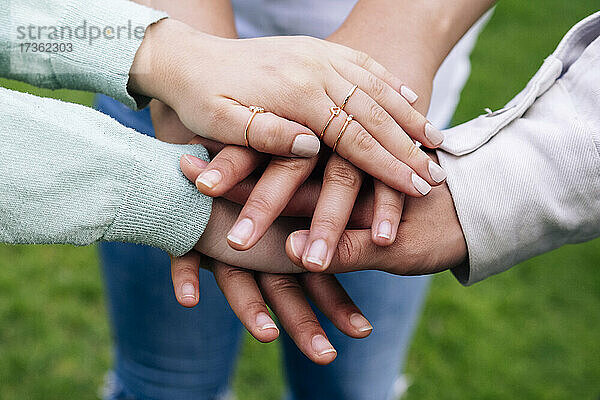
{"x": 69, "y": 174}
{"x": 103, "y": 38}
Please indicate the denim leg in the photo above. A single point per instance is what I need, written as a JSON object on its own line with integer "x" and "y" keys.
{"x": 163, "y": 350}
{"x": 365, "y": 369}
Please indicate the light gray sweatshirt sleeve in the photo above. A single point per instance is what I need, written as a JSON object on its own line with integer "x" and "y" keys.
{"x": 69, "y": 174}
{"x": 99, "y": 41}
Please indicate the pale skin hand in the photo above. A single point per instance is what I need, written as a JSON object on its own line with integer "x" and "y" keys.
{"x": 184, "y": 62}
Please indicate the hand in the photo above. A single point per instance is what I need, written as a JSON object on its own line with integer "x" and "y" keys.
{"x": 266, "y": 198}
{"x": 167, "y": 125}
{"x": 432, "y": 241}
{"x": 249, "y": 293}
{"x": 201, "y": 78}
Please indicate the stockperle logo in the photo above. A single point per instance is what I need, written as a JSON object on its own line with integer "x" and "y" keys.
{"x": 83, "y": 31}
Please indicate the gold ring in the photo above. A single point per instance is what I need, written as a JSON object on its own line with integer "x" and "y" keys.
{"x": 335, "y": 111}
{"x": 348, "y": 96}
{"x": 342, "y": 131}
{"x": 254, "y": 110}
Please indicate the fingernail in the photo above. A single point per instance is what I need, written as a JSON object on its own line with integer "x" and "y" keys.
{"x": 195, "y": 161}
{"x": 360, "y": 323}
{"x": 420, "y": 184}
{"x": 188, "y": 291}
{"x": 298, "y": 242}
{"x": 433, "y": 134}
{"x": 321, "y": 345}
{"x": 437, "y": 173}
{"x": 317, "y": 252}
{"x": 210, "y": 178}
{"x": 384, "y": 230}
{"x": 264, "y": 321}
{"x": 241, "y": 232}
{"x": 306, "y": 146}
{"x": 408, "y": 94}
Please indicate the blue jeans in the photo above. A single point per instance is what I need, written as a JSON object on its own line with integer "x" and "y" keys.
{"x": 164, "y": 351}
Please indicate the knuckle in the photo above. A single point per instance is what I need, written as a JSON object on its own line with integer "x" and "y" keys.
{"x": 389, "y": 206}
{"x": 378, "y": 115}
{"x": 254, "y": 306}
{"x": 260, "y": 205}
{"x": 364, "y": 142}
{"x": 186, "y": 270}
{"x": 343, "y": 303}
{"x": 362, "y": 59}
{"x": 219, "y": 117}
{"x": 305, "y": 88}
{"x": 268, "y": 135}
{"x": 350, "y": 249}
{"x": 396, "y": 167}
{"x": 411, "y": 117}
{"x": 290, "y": 166}
{"x": 226, "y": 164}
{"x": 376, "y": 87}
{"x": 281, "y": 285}
{"x": 229, "y": 274}
{"x": 343, "y": 175}
{"x": 327, "y": 223}
{"x": 413, "y": 152}
{"x": 306, "y": 323}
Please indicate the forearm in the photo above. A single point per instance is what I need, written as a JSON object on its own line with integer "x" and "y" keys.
{"x": 410, "y": 38}
{"x": 69, "y": 174}
{"x": 211, "y": 16}
{"x": 525, "y": 178}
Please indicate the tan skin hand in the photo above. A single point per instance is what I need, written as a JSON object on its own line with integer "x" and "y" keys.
{"x": 430, "y": 243}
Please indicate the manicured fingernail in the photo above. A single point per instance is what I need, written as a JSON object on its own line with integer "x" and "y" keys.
{"x": 420, "y": 184}
{"x": 298, "y": 242}
{"x": 210, "y": 178}
{"x": 306, "y": 146}
{"x": 408, "y": 94}
{"x": 317, "y": 252}
{"x": 263, "y": 321}
{"x": 321, "y": 345}
{"x": 195, "y": 161}
{"x": 437, "y": 173}
{"x": 360, "y": 323}
{"x": 241, "y": 232}
{"x": 384, "y": 230}
{"x": 433, "y": 134}
{"x": 188, "y": 291}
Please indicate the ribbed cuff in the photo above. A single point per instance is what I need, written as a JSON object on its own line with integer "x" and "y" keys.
{"x": 162, "y": 207}
{"x": 102, "y": 64}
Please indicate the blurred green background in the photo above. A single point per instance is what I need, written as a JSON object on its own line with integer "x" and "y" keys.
{"x": 531, "y": 333}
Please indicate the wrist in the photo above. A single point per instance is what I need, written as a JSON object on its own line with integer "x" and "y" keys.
{"x": 158, "y": 62}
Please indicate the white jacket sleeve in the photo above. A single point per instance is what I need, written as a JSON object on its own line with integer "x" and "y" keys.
{"x": 526, "y": 179}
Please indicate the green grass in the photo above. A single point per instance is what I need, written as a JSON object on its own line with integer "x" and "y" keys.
{"x": 531, "y": 333}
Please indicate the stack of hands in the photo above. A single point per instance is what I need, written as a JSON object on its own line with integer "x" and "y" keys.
{"x": 315, "y": 171}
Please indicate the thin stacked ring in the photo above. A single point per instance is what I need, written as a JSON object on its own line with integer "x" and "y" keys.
{"x": 334, "y": 112}
{"x": 254, "y": 110}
